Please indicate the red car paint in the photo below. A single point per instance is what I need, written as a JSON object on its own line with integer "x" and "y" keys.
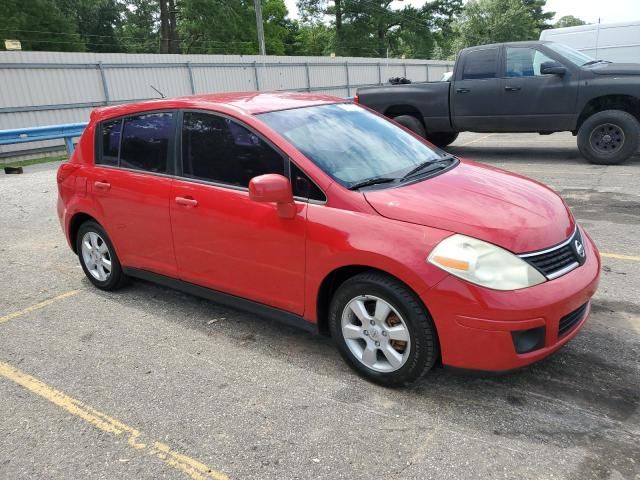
{"x": 278, "y": 251}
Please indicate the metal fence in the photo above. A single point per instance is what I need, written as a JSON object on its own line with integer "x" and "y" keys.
{"x": 46, "y": 88}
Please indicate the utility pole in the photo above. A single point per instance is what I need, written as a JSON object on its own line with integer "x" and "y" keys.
{"x": 259, "y": 27}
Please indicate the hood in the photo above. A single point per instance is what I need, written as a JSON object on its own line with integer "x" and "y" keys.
{"x": 493, "y": 205}
{"x": 616, "y": 69}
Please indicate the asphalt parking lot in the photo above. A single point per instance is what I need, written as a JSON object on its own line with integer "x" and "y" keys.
{"x": 151, "y": 383}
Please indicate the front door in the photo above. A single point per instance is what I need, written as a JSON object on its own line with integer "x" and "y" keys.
{"x": 531, "y": 101}
{"x": 222, "y": 239}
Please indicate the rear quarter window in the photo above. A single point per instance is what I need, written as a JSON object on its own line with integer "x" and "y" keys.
{"x": 480, "y": 64}
{"x": 110, "y": 143}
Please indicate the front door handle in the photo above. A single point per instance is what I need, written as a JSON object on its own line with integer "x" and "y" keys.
{"x": 186, "y": 202}
{"x": 102, "y": 185}
{"x": 511, "y": 89}
{"x": 463, "y": 90}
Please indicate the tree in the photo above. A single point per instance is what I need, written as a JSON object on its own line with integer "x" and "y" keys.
{"x": 96, "y": 21}
{"x": 494, "y": 21}
{"x": 568, "y": 21}
{"x": 39, "y": 25}
{"x": 138, "y": 32}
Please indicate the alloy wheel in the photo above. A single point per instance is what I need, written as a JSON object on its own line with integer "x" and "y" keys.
{"x": 375, "y": 333}
{"x": 96, "y": 256}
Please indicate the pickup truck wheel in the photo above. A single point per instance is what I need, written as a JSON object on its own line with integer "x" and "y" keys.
{"x": 442, "y": 139}
{"x": 609, "y": 137}
{"x": 382, "y": 329}
{"x": 412, "y": 123}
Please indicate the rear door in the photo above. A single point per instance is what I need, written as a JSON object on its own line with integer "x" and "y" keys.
{"x": 131, "y": 184}
{"x": 531, "y": 101}
{"x": 223, "y": 240}
{"x": 476, "y": 92}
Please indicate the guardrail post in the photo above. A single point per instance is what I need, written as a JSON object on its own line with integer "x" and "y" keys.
{"x": 346, "y": 69}
{"x": 306, "y": 68}
{"x": 379, "y": 74}
{"x": 191, "y": 82}
{"x": 68, "y": 143}
{"x": 255, "y": 71}
{"x": 404, "y": 69}
{"x": 427, "y": 65}
{"x": 105, "y": 86}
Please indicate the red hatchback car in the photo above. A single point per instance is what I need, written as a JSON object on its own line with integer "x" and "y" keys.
{"x": 324, "y": 214}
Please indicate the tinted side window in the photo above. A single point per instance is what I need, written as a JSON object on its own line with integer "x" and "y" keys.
{"x": 111, "y": 131}
{"x": 303, "y": 186}
{"x": 480, "y": 64}
{"x": 145, "y": 142}
{"x": 219, "y": 149}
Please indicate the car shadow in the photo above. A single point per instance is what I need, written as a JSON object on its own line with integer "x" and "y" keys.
{"x": 582, "y": 397}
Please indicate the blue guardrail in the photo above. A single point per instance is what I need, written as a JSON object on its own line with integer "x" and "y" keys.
{"x": 67, "y": 132}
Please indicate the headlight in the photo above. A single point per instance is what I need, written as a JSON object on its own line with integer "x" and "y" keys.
{"x": 484, "y": 264}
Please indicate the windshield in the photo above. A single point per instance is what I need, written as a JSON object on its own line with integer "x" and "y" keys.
{"x": 574, "y": 56}
{"x": 350, "y": 143}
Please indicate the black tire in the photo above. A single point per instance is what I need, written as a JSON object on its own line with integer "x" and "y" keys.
{"x": 609, "y": 137}
{"x": 116, "y": 277}
{"x": 412, "y": 123}
{"x": 423, "y": 347}
{"x": 442, "y": 139}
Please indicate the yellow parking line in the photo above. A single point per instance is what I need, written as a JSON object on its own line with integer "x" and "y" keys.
{"x": 620, "y": 257}
{"x": 37, "y": 306}
{"x": 159, "y": 450}
{"x": 474, "y": 141}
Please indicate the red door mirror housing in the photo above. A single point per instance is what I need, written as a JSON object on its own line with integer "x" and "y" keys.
{"x": 273, "y": 188}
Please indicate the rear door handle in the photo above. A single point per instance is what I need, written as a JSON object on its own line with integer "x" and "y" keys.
{"x": 102, "y": 185}
{"x": 186, "y": 202}
{"x": 463, "y": 90}
{"x": 511, "y": 89}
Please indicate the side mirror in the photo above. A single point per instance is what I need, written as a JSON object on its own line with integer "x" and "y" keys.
{"x": 273, "y": 188}
{"x": 552, "y": 68}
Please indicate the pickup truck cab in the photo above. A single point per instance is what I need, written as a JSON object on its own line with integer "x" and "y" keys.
{"x": 532, "y": 86}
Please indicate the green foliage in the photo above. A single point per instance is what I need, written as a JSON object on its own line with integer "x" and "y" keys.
{"x": 494, "y": 21}
{"x": 365, "y": 28}
{"x": 39, "y": 25}
{"x": 569, "y": 21}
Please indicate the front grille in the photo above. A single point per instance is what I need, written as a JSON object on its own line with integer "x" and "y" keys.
{"x": 558, "y": 260}
{"x": 569, "y": 321}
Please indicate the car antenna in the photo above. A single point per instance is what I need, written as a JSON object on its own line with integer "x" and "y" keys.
{"x": 162, "y": 95}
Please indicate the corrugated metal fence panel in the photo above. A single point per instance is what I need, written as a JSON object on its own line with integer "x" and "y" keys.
{"x": 48, "y": 88}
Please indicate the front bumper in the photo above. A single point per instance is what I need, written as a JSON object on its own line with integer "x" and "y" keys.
{"x": 475, "y": 324}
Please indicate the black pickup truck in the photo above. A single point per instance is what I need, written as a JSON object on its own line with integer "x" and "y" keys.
{"x": 540, "y": 87}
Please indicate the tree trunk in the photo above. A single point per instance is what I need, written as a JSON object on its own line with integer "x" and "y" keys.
{"x": 164, "y": 27}
{"x": 338, "y": 27}
{"x": 174, "y": 41}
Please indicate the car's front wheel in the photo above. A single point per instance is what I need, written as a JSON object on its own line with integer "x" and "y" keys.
{"x": 382, "y": 329}
{"x": 98, "y": 257}
{"x": 609, "y": 137}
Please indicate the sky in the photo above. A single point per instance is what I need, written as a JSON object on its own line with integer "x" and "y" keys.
{"x": 587, "y": 10}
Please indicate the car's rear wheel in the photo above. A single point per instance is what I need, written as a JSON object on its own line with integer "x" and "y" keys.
{"x": 382, "y": 329}
{"x": 609, "y": 137}
{"x": 98, "y": 257}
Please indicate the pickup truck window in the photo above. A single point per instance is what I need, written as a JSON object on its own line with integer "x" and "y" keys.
{"x": 525, "y": 62}
{"x": 480, "y": 64}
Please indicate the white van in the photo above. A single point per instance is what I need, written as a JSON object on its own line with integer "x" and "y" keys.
{"x": 616, "y": 42}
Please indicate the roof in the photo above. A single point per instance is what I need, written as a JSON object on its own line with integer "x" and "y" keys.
{"x": 248, "y": 103}
{"x": 528, "y": 43}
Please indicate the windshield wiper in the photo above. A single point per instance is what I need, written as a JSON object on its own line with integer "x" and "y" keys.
{"x": 430, "y": 166}
{"x": 592, "y": 62}
{"x": 371, "y": 181}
